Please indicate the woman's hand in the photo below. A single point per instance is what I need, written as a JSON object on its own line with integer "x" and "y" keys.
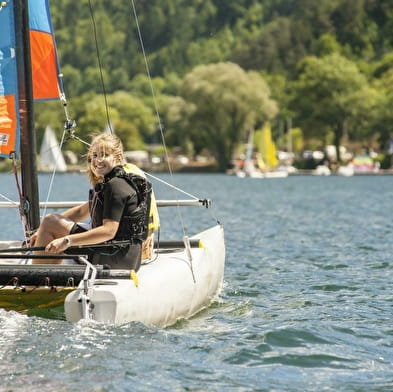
{"x": 59, "y": 245}
{"x": 33, "y": 239}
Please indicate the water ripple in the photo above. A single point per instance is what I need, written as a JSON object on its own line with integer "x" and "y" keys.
{"x": 307, "y": 301}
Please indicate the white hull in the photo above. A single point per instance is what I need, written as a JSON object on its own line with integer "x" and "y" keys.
{"x": 166, "y": 291}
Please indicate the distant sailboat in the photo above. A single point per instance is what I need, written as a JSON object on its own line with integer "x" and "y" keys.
{"x": 249, "y": 169}
{"x": 266, "y": 158}
{"x": 51, "y": 156}
{"x": 267, "y": 149}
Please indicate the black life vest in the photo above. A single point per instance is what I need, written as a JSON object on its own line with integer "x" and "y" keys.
{"x": 133, "y": 224}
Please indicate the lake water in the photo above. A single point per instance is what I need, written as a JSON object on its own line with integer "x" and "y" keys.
{"x": 307, "y": 303}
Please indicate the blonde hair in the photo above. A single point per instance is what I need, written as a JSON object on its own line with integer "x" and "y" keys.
{"x": 108, "y": 144}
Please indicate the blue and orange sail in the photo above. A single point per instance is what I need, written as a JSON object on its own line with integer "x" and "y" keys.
{"x": 44, "y": 66}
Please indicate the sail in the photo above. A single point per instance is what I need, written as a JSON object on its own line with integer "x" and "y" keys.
{"x": 46, "y": 83}
{"x": 9, "y": 124}
{"x": 249, "y": 167}
{"x": 51, "y": 156}
{"x": 266, "y": 146}
{"x": 44, "y": 65}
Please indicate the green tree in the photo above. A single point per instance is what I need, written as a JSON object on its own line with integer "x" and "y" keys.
{"x": 228, "y": 102}
{"x": 134, "y": 121}
{"x": 326, "y": 44}
{"x": 129, "y": 117}
{"x": 332, "y": 95}
{"x": 384, "y": 118}
{"x": 176, "y": 116}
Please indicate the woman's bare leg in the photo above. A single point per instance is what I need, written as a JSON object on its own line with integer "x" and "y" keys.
{"x": 52, "y": 226}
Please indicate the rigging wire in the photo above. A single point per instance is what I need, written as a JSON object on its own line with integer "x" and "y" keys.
{"x": 54, "y": 172}
{"x": 8, "y": 199}
{"x": 21, "y": 216}
{"x": 69, "y": 128}
{"x": 171, "y": 186}
{"x": 211, "y": 210}
{"x": 100, "y": 67}
{"x": 156, "y": 108}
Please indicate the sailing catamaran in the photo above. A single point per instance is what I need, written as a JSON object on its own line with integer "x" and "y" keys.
{"x": 182, "y": 277}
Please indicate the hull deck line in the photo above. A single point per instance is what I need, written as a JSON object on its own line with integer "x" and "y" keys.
{"x": 53, "y": 275}
{"x": 175, "y": 284}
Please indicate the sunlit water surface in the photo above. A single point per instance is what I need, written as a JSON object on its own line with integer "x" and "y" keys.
{"x": 307, "y": 302}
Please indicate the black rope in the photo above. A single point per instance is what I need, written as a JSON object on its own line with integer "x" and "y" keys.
{"x": 24, "y": 205}
{"x": 14, "y": 281}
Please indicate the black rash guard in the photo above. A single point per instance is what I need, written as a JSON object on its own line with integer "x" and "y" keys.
{"x": 113, "y": 199}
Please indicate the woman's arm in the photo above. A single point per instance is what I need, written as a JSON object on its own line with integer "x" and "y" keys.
{"x": 94, "y": 236}
{"x": 56, "y": 226}
{"x": 99, "y": 234}
{"x": 77, "y": 213}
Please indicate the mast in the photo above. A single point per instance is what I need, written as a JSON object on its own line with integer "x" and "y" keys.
{"x": 30, "y": 200}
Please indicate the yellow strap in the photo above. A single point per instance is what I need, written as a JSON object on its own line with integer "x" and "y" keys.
{"x": 154, "y": 218}
{"x": 134, "y": 278}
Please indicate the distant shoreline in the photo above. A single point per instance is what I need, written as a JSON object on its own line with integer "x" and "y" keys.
{"x": 199, "y": 168}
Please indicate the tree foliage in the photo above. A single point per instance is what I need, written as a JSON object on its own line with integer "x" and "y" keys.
{"x": 100, "y": 49}
{"x": 332, "y": 95}
{"x": 228, "y": 102}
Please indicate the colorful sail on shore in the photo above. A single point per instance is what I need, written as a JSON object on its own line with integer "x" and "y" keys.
{"x": 46, "y": 84}
{"x": 266, "y": 147}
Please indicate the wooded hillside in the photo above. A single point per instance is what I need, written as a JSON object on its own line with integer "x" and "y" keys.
{"x": 327, "y": 66}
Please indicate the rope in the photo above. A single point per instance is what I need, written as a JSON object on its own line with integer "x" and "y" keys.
{"x": 22, "y": 203}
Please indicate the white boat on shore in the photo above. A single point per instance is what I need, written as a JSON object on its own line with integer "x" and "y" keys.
{"x": 51, "y": 156}
{"x": 346, "y": 171}
{"x": 321, "y": 170}
{"x": 261, "y": 169}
